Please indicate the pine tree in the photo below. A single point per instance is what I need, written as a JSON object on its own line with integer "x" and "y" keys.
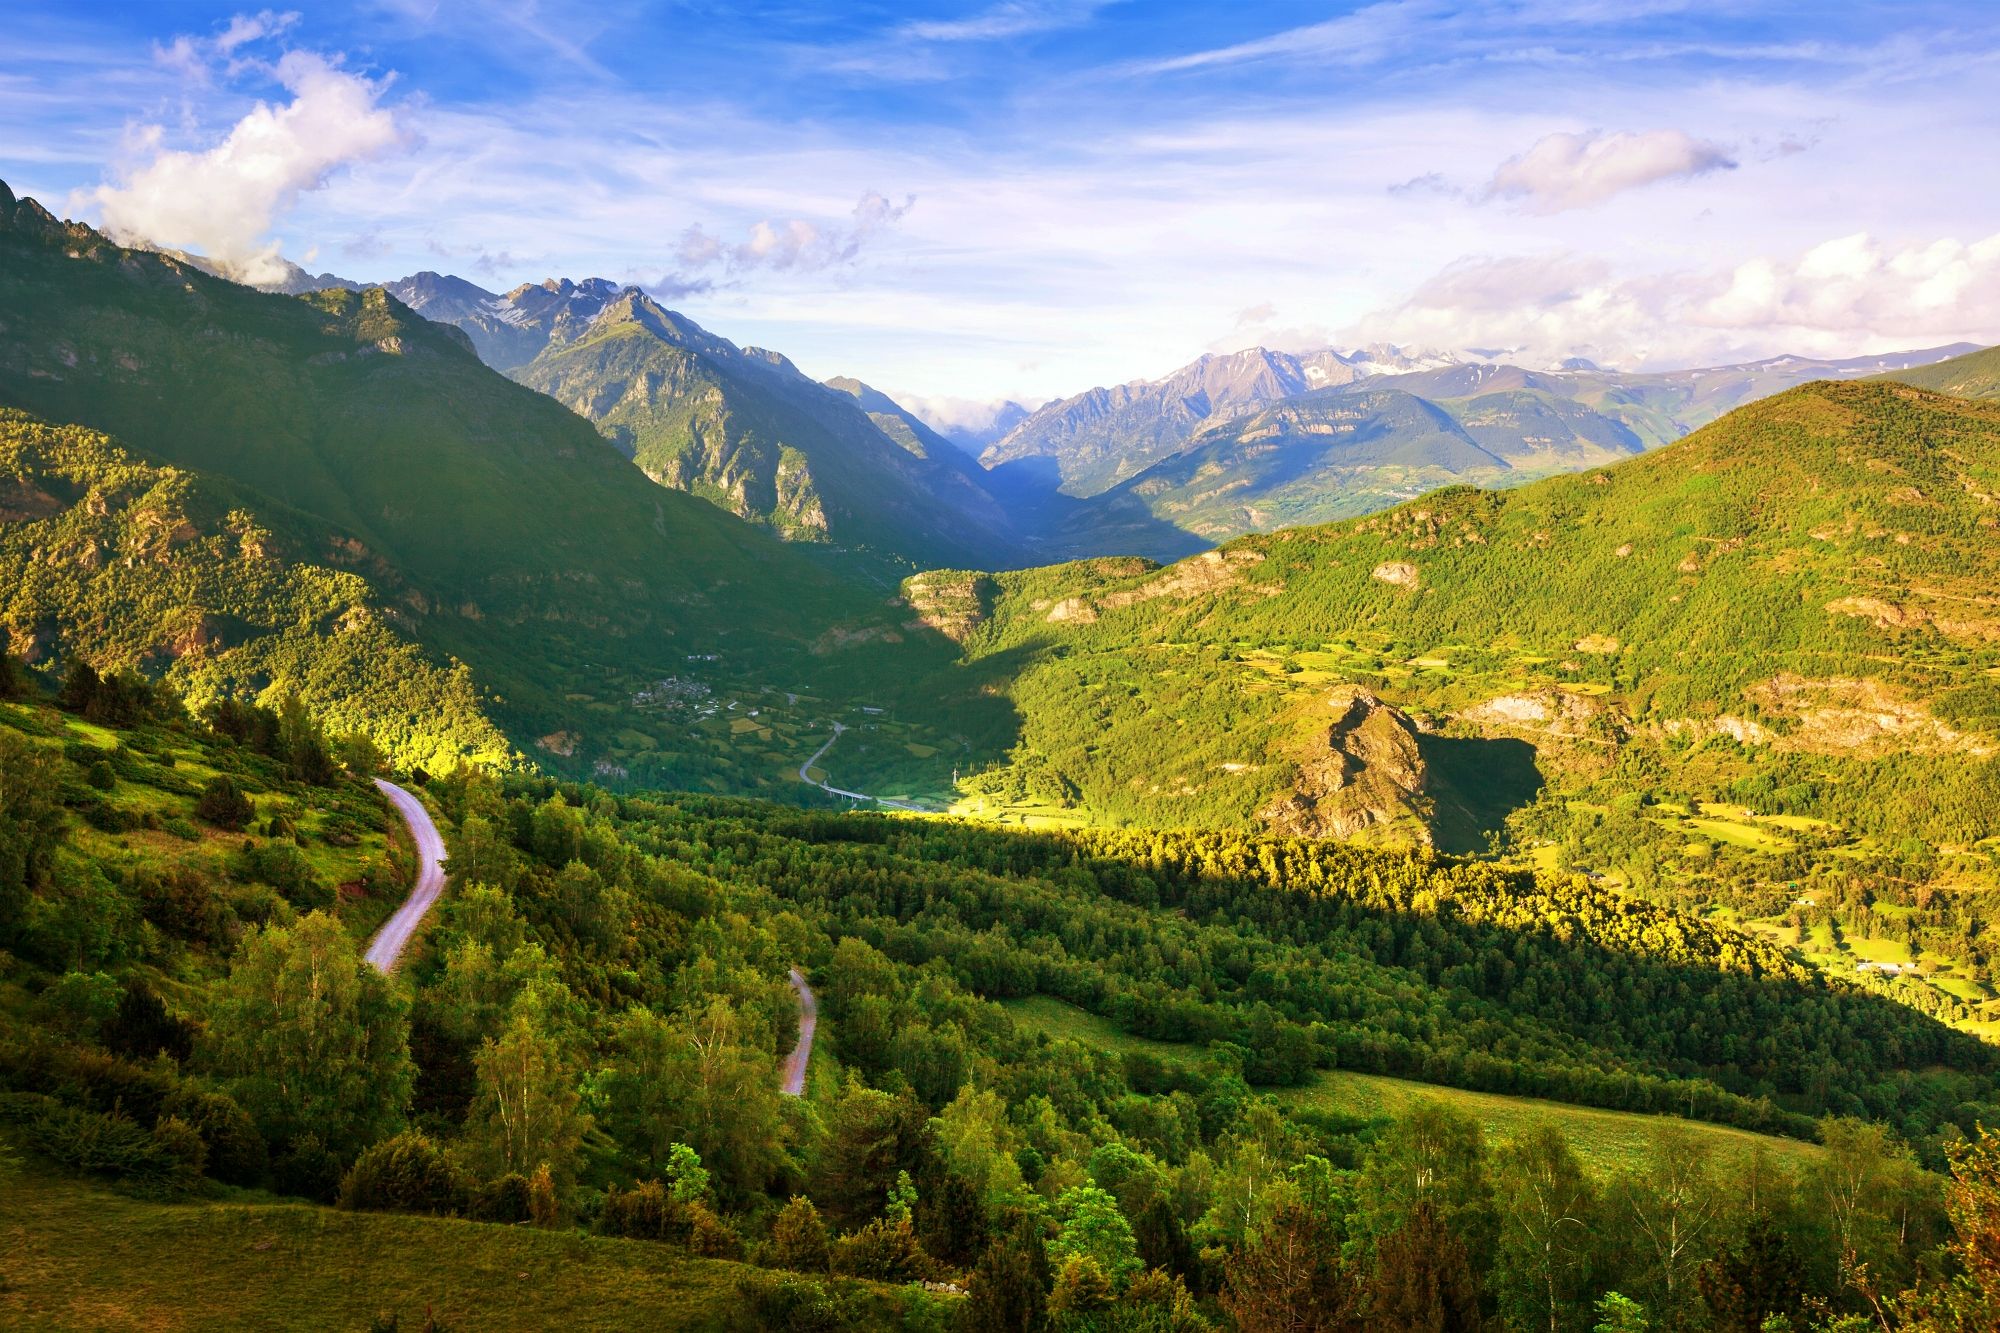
{"x": 1753, "y": 1282}
{"x": 1423, "y": 1280}
{"x": 1164, "y": 1244}
{"x": 1289, "y": 1278}
{"x": 1009, "y": 1290}
{"x": 798, "y": 1237}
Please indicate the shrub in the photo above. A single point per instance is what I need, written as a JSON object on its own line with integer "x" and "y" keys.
{"x": 793, "y": 1304}
{"x": 105, "y": 817}
{"x": 798, "y": 1238}
{"x": 86, "y": 1001}
{"x": 308, "y": 1169}
{"x": 409, "y": 1173}
{"x": 236, "y": 1152}
{"x": 287, "y": 869}
{"x": 91, "y": 1079}
{"x": 180, "y": 899}
{"x": 143, "y": 1028}
{"x": 710, "y": 1236}
{"x": 181, "y": 829}
{"x": 883, "y": 1250}
{"x": 645, "y": 1212}
{"x": 114, "y": 1145}
{"x": 543, "y": 1206}
{"x": 503, "y": 1199}
{"x": 101, "y": 776}
{"x": 223, "y": 804}
{"x": 181, "y": 1142}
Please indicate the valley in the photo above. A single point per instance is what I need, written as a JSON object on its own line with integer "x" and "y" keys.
{"x": 519, "y": 809}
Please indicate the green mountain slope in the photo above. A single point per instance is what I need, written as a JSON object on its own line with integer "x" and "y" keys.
{"x": 129, "y": 563}
{"x": 1757, "y": 670}
{"x": 1974, "y": 375}
{"x": 1787, "y": 566}
{"x": 746, "y": 431}
{"x": 496, "y": 527}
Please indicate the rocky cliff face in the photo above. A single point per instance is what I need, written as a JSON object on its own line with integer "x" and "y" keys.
{"x": 1361, "y": 777}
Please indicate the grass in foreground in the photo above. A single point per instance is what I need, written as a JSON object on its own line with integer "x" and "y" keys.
{"x": 74, "y": 1255}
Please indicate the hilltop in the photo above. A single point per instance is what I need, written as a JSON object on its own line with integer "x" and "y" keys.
{"x": 1753, "y": 670}
{"x": 1974, "y": 375}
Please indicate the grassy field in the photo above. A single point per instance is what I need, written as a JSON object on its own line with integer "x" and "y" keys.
{"x": 76, "y": 1256}
{"x": 1607, "y": 1141}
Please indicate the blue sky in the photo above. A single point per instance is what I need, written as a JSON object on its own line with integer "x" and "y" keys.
{"x": 968, "y": 200}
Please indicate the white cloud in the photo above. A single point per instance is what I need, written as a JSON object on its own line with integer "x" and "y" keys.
{"x": 1847, "y": 296}
{"x": 244, "y": 29}
{"x": 1565, "y": 171}
{"x": 948, "y": 415}
{"x": 795, "y": 243}
{"x": 1857, "y": 284}
{"x": 223, "y": 201}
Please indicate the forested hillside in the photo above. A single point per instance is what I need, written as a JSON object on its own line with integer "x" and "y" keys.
{"x": 588, "y": 1038}
{"x": 219, "y": 592}
{"x": 479, "y": 522}
{"x": 1753, "y": 670}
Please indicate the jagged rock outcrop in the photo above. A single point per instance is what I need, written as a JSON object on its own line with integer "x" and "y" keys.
{"x": 1361, "y": 778}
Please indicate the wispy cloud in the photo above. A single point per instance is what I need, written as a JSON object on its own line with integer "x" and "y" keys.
{"x": 1368, "y": 34}
{"x": 1565, "y": 171}
{"x": 795, "y": 243}
{"x": 195, "y": 56}
{"x": 1103, "y": 191}
{"x": 1015, "y": 18}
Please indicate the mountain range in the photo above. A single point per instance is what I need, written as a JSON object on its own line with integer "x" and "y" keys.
{"x": 1780, "y": 629}
{"x": 1243, "y": 442}
{"x": 330, "y": 495}
{"x": 1248, "y": 443}
{"x": 1100, "y": 437}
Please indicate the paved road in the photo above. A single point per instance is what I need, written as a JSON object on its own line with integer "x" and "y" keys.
{"x": 805, "y": 776}
{"x": 795, "y": 1063}
{"x": 390, "y": 941}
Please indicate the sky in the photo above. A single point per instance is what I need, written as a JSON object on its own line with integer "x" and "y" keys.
{"x": 968, "y": 200}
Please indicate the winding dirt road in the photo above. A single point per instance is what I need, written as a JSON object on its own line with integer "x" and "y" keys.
{"x": 795, "y": 1063}
{"x": 389, "y": 942}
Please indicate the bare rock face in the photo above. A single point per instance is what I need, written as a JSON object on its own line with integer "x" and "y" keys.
{"x": 952, "y": 602}
{"x": 1362, "y": 778}
{"x": 1543, "y": 714}
{"x": 1400, "y": 573}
